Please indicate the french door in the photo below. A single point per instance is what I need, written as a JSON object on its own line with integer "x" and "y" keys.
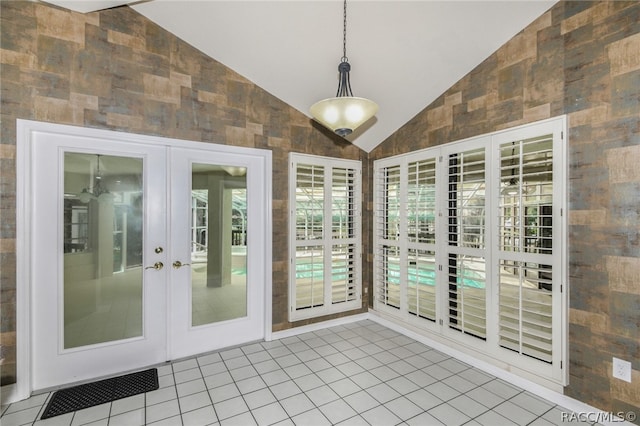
{"x": 141, "y": 252}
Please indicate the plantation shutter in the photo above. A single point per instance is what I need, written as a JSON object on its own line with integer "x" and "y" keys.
{"x": 466, "y": 254}
{"x": 387, "y": 213}
{"x": 343, "y": 222}
{"x": 325, "y": 255}
{"x": 525, "y": 246}
{"x": 309, "y": 257}
{"x": 469, "y": 243}
{"x": 421, "y": 231}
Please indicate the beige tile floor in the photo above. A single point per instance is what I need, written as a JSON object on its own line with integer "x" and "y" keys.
{"x": 354, "y": 374}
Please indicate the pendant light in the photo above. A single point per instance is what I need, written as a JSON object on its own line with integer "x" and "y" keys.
{"x": 344, "y": 113}
{"x": 99, "y": 192}
{"x": 514, "y": 186}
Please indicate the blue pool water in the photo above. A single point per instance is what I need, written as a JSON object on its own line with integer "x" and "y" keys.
{"x": 421, "y": 276}
{"x": 428, "y": 277}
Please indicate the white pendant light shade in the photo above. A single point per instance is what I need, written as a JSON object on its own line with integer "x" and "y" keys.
{"x": 85, "y": 196}
{"x": 235, "y": 170}
{"x": 343, "y": 114}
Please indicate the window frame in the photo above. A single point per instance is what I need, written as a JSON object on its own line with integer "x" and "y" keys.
{"x": 489, "y": 349}
{"x": 327, "y": 242}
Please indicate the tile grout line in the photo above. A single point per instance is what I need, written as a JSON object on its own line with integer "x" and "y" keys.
{"x": 541, "y": 415}
{"x": 335, "y": 338}
{"x": 437, "y": 381}
{"x": 208, "y": 394}
{"x": 250, "y": 411}
{"x": 175, "y": 384}
{"x": 314, "y": 373}
{"x": 399, "y": 375}
{"x": 42, "y": 407}
{"x": 339, "y": 351}
{"x": 302, "y": 392}
{"x": 144, "y": 399}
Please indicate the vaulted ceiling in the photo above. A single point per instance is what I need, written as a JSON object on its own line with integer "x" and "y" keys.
{"x": 403, "y": 54}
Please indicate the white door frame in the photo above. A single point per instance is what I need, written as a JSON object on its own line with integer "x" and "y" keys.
{"x": 26, "y": 129}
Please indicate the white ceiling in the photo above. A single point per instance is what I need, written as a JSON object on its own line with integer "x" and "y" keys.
{"x": 403, "y": 54}
{"x": 85, "y": 6}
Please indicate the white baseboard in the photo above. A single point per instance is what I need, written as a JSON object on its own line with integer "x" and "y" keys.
{"x": 276, "y": 335}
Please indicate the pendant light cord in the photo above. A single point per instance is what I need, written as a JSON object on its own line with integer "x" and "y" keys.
{"x": 344, "y": 34}
{"x": 344, "y": 83}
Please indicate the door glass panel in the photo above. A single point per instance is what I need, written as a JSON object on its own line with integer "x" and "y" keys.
{"x": 218, "y": 243}
{"x": 102, "y": 238}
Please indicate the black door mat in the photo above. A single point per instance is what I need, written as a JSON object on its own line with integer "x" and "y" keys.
{"x": 96, "y": 393}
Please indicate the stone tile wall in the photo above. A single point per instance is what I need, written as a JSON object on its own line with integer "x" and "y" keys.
{"x": 581, "y": 58}
{"x": 117, "y": 70}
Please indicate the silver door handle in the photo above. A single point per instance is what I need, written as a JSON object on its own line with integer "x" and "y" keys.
{"x": 177, "y": 264}
{"x": 157, "y": 266}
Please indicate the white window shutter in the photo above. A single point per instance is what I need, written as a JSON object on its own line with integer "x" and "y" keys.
{"x": 325, "y": 236}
